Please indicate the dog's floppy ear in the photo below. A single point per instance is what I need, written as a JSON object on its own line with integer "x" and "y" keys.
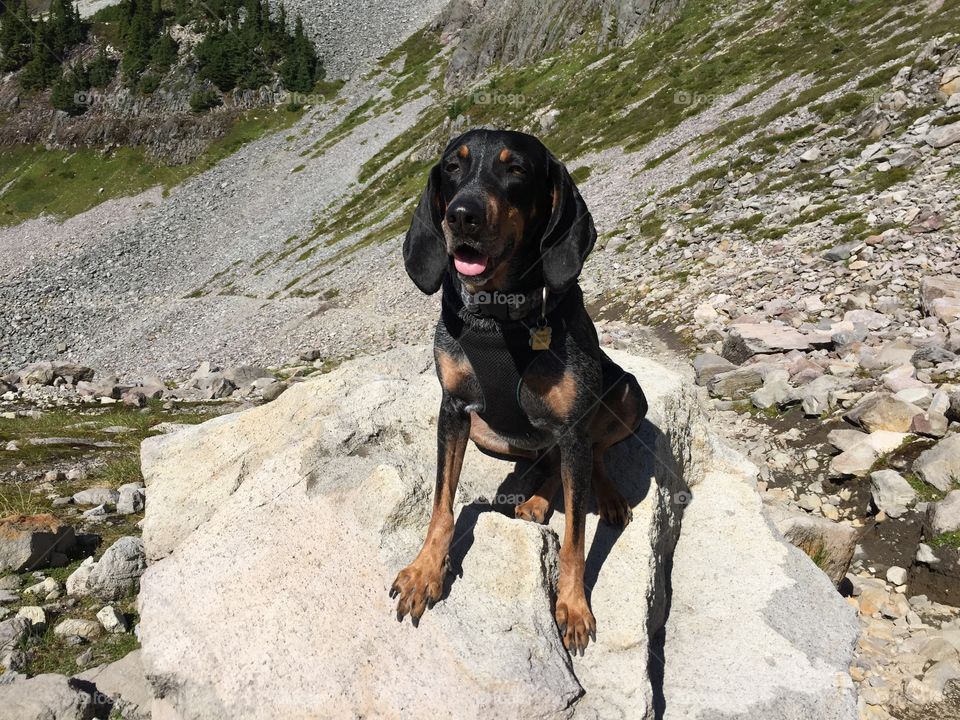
{"x": 424, "y": 249}
{"x": 570, "y": 234}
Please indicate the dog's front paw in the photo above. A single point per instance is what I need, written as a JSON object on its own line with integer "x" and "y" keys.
{"x": 418, "y": 585}
{"x": 576, "y": 622}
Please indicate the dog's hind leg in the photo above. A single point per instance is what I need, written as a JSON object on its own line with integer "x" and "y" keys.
{"x": 622, "y": 408}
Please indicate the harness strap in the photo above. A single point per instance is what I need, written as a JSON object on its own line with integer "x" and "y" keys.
{"x": 500, "y": 353}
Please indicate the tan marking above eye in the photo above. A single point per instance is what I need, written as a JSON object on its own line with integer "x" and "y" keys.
{"x": 464, "y": 151}
{"x": 505, "y": 155}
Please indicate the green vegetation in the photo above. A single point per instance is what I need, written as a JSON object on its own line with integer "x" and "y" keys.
{"x": 949, "y": 539}
{"x": 245, "y": 53}
{"x": 37, "y": 45}
{"x": 63, "y": 184}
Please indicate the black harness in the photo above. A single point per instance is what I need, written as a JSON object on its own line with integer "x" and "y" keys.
{"x": 499, "y": 346}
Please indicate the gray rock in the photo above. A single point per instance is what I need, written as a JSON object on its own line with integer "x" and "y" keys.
{"x": 936, "y": 287}
{"x": 891, "y": 493}
{"x": 131, "y": 501}
{"x": 73, "y": 627}
{"x": 111, "y": 620}
{"x": 274, "y": 390}
{"x": 932, "y": 355}
{"x": 219, "y": 388}
{"x": 706, "y": 366}
{"x": 830, "y": 544}
{"x": 125, "y": 683}
{"x": 881, "y": 411}
{"x": 748, "y": 339}
{"x": 36, "y": 616}
{"x": 492, "y": 641}
{"x": 738, "y": 384}
{"x": 940, "y": 465}
{"x": 244, "y": 375}
{"x": 776, "y": 389}
{"x": 12, "y": 632}
{"x": 930, "y": 424}
{"x": 117, "y": 573}
{"x": 943, "y": 136}
{"x": 96, "y": 496}
{"x": 897, "y": 575}
{"x": 944, "y": 516}
{"x": 77, "y": 581}
{"x": 32, "y": 542}
{"x": 44, "y": 697}
{"x": 814, "y": 396}
{"x": 842, "y": 252}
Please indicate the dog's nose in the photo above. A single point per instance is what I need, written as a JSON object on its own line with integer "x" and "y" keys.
{"x": 465, "y": 216}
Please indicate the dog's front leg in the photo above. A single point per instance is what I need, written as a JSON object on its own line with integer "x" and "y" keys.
{"x": 421, "y": 582}
{"x": 576, "y": 622}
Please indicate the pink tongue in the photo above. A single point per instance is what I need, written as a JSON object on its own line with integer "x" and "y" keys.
{"x": 470, "y": 267}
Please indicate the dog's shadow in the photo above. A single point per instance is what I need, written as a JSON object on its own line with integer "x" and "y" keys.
{"x": 630, "y": 465}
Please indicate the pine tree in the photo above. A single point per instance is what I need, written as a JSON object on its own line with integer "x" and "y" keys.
{"x": 102, "y": 69}
{"x": 300, "y": 65}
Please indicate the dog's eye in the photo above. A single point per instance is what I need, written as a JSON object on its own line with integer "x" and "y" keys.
{"x": 453, "y": 167}
{"x": 517, "y": 170}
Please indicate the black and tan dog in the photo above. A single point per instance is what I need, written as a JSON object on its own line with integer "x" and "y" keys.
{"x": 503, "y": 229}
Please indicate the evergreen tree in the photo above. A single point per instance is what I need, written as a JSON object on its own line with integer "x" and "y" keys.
{"x": 67, "y": 88}
{"x": 164, "y": 53}
{"x": 300, "y": 65}
{"x": 102, "y": 69}
{"x": 16, "y": 37}
{"x": 43, "y": 67}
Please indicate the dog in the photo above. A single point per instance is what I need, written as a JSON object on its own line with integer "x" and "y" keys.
{"x": 503, "y": 230}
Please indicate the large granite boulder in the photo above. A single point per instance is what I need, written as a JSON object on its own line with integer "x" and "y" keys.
{"x": 274, "y": 535}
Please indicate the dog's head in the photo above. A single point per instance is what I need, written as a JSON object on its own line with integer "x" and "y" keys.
{"x": 501, "y": 212}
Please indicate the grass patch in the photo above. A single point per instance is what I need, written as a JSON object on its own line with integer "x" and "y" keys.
{"x": 61, "y": 183}
{"x": 580, "y": 174}
{"x": 948, "y": 539}
{"x": 925, "y": 491}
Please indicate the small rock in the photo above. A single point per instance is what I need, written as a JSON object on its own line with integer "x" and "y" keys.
{"x": 944, "y": 516}
{"x": 891, "y": 493}
{"x": 940, "y": 465}
{"x": 96, "y": 496}
{"x": 30, "y": 542}
{"x": 112, "y": 621}
{"x": 86, "y": 629}
{"x": 118, "y": 572}
{"x": 897, "y": 575}
{"x": 45, "y": 697}
{"x": 36, "y": 615}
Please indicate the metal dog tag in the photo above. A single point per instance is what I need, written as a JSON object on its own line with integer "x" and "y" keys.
{"x": 540, "y": 337}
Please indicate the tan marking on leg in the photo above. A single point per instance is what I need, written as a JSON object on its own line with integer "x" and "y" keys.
{"x": 453, "y": 372}
{"x": 421, "y": 583}
{"x": 574, "y": 618}
{"x": 488, "y": 439}
{"x": 558, "y": 394}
